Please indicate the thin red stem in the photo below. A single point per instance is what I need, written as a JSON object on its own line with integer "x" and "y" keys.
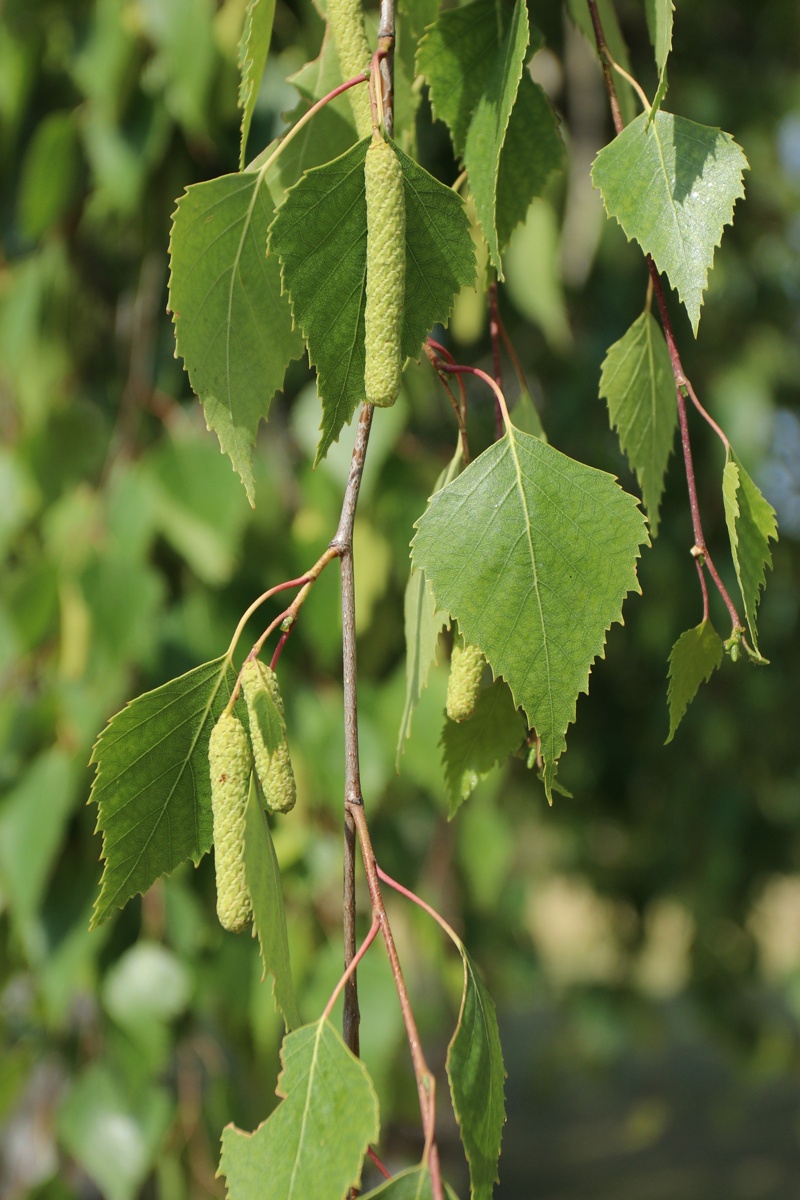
{"x": 351, "y": 966}
{"x": 378, "y": 1163}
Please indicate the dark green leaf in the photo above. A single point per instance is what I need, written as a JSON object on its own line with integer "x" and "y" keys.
{"x": 751, "y": 525}
{"x": 638, "y": 384}
{"x": 672, "y": 185}
{"x": 473, "y": 748}
{"x": 693, "y": 660}
{"x": 253, "y": 51}
{"x": 269, "y": 916}
{"x": 320, "y": 234}
{"x": 532, "y": 151}
{"x": 314, "y": 1142}
{"x": 413, "y": 1184}
{"x": 533, "y": 554}
{"x": 152, "y": 786}
{"x": 233, "y": 327}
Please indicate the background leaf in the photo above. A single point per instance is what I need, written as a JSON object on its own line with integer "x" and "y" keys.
{"x": 660, "y": 15}
{"x": 672, "y": 185}
{"x": 693, "y": 659}
{"x": 320, "y": 234}
{"x": 413, "y": 1184}
{"x": 474, "y": 747}
{"x": 751, "y": 524}
{"x": 533, "y": 554}
{"x": 637, "y": 382}
{"x": 233, "y": 328}
{"x": 152, "y": 786}
{"x": 269, "y": 916}
{"x": 477, "y": 1081}
{"x": 314, "y": 1142}
{"x": 253, "y": 51}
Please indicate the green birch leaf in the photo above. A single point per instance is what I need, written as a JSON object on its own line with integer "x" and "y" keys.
{"x": 266, "y": 896}
{"x": 672, "y": 185}
{"x": 474, "y": 747}
{"x": 314, "y": 1143}
{"x": 413, "y": 1184}
{"x": 502, "y": 126}
{"x": 751, "y": 524}
{"x": 423, "y": 624}
{"x": 477, "y": 1080}
{"x": 253, "y": 51}
{"x": 152, "y": 786}
{"x": 233, "y": 328}
{"x": 637, "y": 382}
{"x": 660, "y": 15}
{"x": 320, "y": 234}
{"x": 693, "y": 659}
{"x": 532, "y": 553}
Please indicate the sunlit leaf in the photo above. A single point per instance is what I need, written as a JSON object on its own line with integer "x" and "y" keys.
{"x": 672, "y": 185}
{"x": 693, "y": 659}
{"x": 639, "y": 387}
{"x": 266, "y": 896}
{"x": 533, "y": 554}
{"x": 152, "y": 786}
{"x": 233, "y": 328}
{"x": 751, "y": 525}
{"x": 314, "y": 1142}
{"x": 253, "y": 51}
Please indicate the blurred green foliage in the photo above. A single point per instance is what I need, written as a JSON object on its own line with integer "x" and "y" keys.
{"x": 672, "y": 877}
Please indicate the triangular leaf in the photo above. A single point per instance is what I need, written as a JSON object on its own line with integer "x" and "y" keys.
{"x": 233, "y": 327}
{"x": 253, "y": 51}
{"x": 495, "y": 112}
{"x": 423, "y": 624}
{"x": 638, "y": 384}
{"x": 413, "y": 1184}
{"x": 751, "y": 524}
{"x": 693, "y": 660}
{"x": 474, "y": 747}
{"x": 477, "y": 1078}
{"x": 672, "y": 185}
{"x": 533, "y": 554}
{"x": 320, "y": 234}
{"x": 152, "y": 786}
{"x": 313, "y": 1144}
{"x": 266, "y": 896}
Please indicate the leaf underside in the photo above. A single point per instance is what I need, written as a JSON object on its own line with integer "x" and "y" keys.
{"x": 152, "y": 787}
{"x": 751, "y": 525}
{"x": 693, "y": 659}
{"x": 472, "y": 748}
{"x": 672, "y": 185}
{"x": 314, "y": 1143}
{"x": 637, "y": 383}
{"x": 233, "y": 328}
{"x": 533, "y": 554}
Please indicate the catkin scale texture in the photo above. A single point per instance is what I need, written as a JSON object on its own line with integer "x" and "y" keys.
{"x": 229, "y": 762}
{"x": 268, "y": 736}
{"x": 386, "y": 271}
{"x": 464, "y": 681}
{"x": 346, "y": 22}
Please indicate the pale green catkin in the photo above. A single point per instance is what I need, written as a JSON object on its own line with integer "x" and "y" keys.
{"x": 386, "y": 273}
{"x": 268, "y": 736}
{"x": 229, "y": 761}
{"x": 464, "y": 683}
{"x": 346, "y": 22}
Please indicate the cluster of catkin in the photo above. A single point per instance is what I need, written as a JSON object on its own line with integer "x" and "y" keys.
{"x": 232, "y": 755}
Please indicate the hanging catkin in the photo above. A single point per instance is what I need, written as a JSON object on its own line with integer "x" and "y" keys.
{"x": 464, "y": 682}
{"x": 229, "y": 761}
{"x": 386, "y": 271}
{"x": 268, "y": 735}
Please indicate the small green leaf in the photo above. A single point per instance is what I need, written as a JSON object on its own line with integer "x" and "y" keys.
{"x": 233, "y": 327}
{"x": 659, "y": 15}
{"x": 501, "y": 123}
{"x": 638, "y": 384}
{"x": 253, "y": 51}
{"x": 266, "y": 896}
{"x": 423, "y": 624}
{"x": 413, "y": 1184}
{"x": 474, "y": 747}
{"x": 477, "y": 1079}
{"x": 672, "y": 185}
{"x": 314, "y": 1143}
{"x": 320, "y": 234}
{"x": 693, "y": 660}
{"x": 152, "y": 786}
{"x": 751, "y": 524}
{"x": 532, "y": 553}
